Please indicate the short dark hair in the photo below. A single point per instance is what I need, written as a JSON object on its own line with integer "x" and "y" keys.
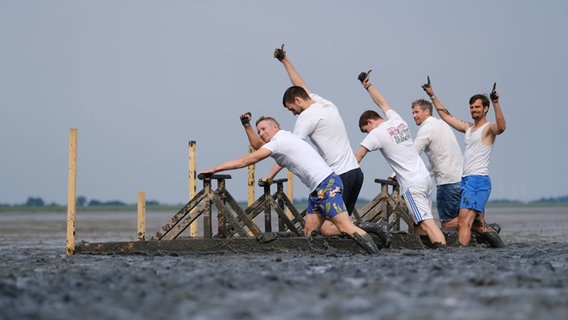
{"x": 423, "y": 104}
{"x": 263, "y": 118}
{"x": 484, "y": 99}
{"x": 366, "y": 116}
{"x": 294, "y": 92}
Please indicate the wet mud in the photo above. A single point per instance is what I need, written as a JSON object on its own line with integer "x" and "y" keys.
{"x": 527, "y": 279}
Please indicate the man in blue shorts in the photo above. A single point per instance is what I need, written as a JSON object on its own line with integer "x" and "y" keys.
{"x": 476, "y": 185}
{"x": 291, "y": 152}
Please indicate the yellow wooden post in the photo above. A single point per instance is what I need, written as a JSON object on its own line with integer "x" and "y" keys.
{"x": 251, "y": 197}
{"x": 71, "y": 192}
{"x": 194, "y": 227}
{"x": 290, "y": 192}
{"x": 141, "y": 216}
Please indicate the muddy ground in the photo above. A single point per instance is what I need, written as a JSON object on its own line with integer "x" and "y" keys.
{"x": 528, "y": 279}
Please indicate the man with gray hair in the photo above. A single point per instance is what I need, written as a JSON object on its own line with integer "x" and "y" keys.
{"x": 437, "y": 140}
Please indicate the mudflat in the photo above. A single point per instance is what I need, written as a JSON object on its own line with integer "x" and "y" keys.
{"x": 527, "y": 279}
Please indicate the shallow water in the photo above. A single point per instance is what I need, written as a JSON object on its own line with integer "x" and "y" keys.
{"x": 528, "y": 279}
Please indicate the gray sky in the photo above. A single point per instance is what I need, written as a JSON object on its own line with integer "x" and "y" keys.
{"x": 139, "y": 79}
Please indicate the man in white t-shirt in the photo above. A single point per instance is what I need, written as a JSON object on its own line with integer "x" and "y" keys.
{"x": 437, "y": 140}
{"x": 392, "y": 137}
{"x": 325, "y": 201}
{"x": 320, "y": 122}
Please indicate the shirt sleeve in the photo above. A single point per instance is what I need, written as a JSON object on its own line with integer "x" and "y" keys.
{"x": 303, "y": 127}
{"x": 371, "y": 142}
{"x": 422, "y": 139}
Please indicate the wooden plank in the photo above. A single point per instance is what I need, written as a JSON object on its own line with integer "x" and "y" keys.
{"x": 192, "y": 148}
{"x": 235, "y": 224}
{"x": 242, "y": 217}
{"x": 176, "y": 231}
{"x": 71, "y": 192}
{"x": 185, "y": 210}
{"x": 141, "y": 216}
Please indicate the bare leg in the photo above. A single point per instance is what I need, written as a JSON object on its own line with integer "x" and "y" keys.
{"x": 313, "y": 222}
{"x": 344, "y": 224}
{"x": 487, "y": 232}
{"x": 479, "y": 223}
{"x": 465, "y": 221}
{"x": 451, "y": 224}
{"x": 434, "y": 233}
{"x": 329, "y": 229}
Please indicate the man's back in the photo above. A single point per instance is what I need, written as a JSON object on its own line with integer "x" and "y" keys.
{"x": 394, "y": 140}
{"x": 322, "y": 124}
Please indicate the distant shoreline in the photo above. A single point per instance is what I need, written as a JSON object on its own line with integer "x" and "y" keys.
{"x": 175, "y": 208}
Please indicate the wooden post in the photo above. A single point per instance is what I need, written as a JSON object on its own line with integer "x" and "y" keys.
{"x": 141, "y": 216}
{"x": 194, "y": 227}
{"x": 251, "y": 197}
{"x": 71, "y": 192}
{"x": 290, "y": 193}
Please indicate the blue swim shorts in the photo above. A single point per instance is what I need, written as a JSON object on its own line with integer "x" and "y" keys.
{"x": 327, "y": 199}
{"x": 475, "y": 192}
{"x": 448, "y": 197}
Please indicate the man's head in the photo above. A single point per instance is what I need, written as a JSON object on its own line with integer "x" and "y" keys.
{"x": 478, "y": 106}
{"x": 421, "y": 110}
{"x": 296, "y": 99}
{"x": 369, "y": 120}
{"x": 267, "y": 128}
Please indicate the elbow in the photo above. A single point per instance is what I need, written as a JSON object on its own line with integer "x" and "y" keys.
{"x": 501, "y": 128}
{"x": 258, "y": 145}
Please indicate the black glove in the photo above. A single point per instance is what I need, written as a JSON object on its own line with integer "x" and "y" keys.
{"x": 427, "y": 85}
{"x": 364, "y": 76}
{"x": 493, "y": 95}
{"x": 245, "y": 119}
{"x": 280, "y": 53}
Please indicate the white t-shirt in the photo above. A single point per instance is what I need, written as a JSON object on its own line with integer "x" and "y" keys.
{"x": 322, "y": 124}
{"x": 477, "y": 154}
{"x": 393, "y": 139}
{"x": 437, "y": 140}
{"x": 298, "y": 156}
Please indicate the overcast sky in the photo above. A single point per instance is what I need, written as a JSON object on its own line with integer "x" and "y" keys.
{"x": 139, "y": 79}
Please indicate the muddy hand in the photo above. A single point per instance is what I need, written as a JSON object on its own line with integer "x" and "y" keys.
{"x": 203, "y": 175}
{"x": 364, "y": 76}
{"x": 280, "y": 53}
{"x": 245, "y": 119}
{"x": 427, "y": 85}
{"x": 494, "y": 95}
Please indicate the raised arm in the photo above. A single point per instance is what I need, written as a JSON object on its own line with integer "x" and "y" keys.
{"x": 253, "y": 138}
{"x": 295, "y": 78}
{"x": 500, "y": 124}
{"x": 454, "y": 122}
{"x": 374, "y": 92}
